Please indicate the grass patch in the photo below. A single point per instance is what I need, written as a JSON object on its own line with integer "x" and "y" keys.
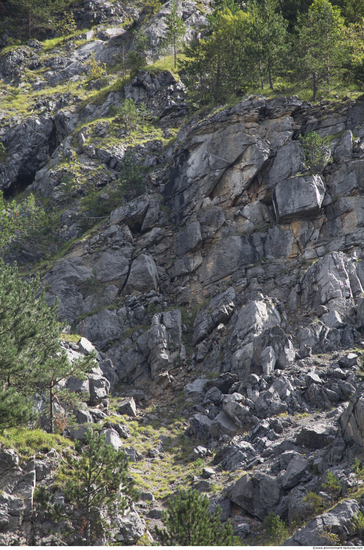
{"x": 28, "y": 443}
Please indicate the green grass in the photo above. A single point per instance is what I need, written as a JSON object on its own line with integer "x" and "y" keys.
{"x": 28, "y": 443}
{"x": 165, "y": 64}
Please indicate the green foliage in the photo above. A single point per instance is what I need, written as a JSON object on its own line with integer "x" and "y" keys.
{"x": 31, "y": 358}
{"x": 38, "y": 16}
{"x": 128, "y": 114}
{"x": 28, "y": 443}
{"x": 353, "y": 11}
{"x": 316, "y": 151}
{"x": 321, "y": 51}
{"x": 136, "y": 58}
{"x": 131, "y": 174}
{"x": 332, "y": 486}
{"x": 174, "y": 33}
{"x": 67, "y": 25}
{"x": 315, "y": 502}
{"x": 188, "y": 523}
{"x": 358, "y": 521}
{"x": 27, "y": 223}
{"x": 358, "y": 469}
{"x": 97, "y": 478}
{"x": 151, "y": 8}
{"x": 267, "y": 40}
{"x": 276, "y": 529}
{"x": 209, "y": 70}
{"x": 97, "y": 69}
{"x": 3, "y": 153}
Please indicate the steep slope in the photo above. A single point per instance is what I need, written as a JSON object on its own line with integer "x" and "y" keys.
{"x": 224, "y": 296}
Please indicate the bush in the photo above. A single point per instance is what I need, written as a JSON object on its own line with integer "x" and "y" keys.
{"x": 276, "y": 529}
{"x": 131, "y": 174}
{"x": 332, "y": 486}
{"x": 358, "y": 521}
{"x": 97, "y": 69}
{"x": 97, "y": 478}
{"x": 316, "y": 151}
{"x": 189, "y": 523}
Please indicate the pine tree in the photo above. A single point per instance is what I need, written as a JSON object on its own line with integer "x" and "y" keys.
{"x": 211, "y": 72}
{"x": 36, "y": 15}
{"x": 175, "y": 31}
{"x": 31, "y": 358}
{"x": 268, "y": 39}
{"x": 189, "y": 523}
{"x": 321, "y": 51}
{"x": 97, "y": 478}
{"x": 136, "y": 58}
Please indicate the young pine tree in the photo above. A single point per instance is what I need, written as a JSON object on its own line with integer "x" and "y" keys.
{"x": 188, "y": 523}
{"x": 174, "y": 33}
{"x": 97, "y": 478}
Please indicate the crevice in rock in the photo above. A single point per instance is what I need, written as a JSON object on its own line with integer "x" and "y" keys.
{"x": 53, "y": 141}
{"x": 21, "y": 183}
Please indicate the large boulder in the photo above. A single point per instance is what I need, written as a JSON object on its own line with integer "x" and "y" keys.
{"x": 235, "y": 455}
{"x": 298, "y": 197}
{"x": 189, "y": 240}
{"x": 296, "y": 469}
{"x": 103, "y": 327}
{"x": 257, "y": 494}
{"x": 143, "y": 275}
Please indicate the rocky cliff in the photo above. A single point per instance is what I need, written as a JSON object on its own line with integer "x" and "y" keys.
{"x": 225, "y": 301}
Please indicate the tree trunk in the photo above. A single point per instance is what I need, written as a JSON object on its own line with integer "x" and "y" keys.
{"x": 270, "y": 76}
{"x": 51, "y": 406}
{"x": 175, "y": 53}
{"x": 88, "y": 514}
{"x": 314, "y": 86}
{"x": 29, "y": 24}
{"x": 261, "y": 75}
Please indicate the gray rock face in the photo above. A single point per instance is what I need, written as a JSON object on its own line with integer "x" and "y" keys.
{"x": 258, "y": 494}
{"x": 298, "y": 197}
{"x": 286, "y": 164}
{"x": 194, "y": 391}
{"x": 143, "y": 275}
{"x": 113, "y": 439}
{"x": 28, "y": 147}
{"x": 223, "y": 425}
{"x": 189, "y": 240}
{"x": 220, "y": 310}
{"x": 99, "y": 388}
{"x": 131, "y": 527}
{"x": 102, "y": 327}
{"x": 314, "y": 436}
{"x": 127, "y": 406}
{"x": 352, "y": 419}
{"x": 200, "y": 426}
{"x": 344, "y": 148}
{"x": 332, "y": 281}
{"x": 295, "y": 471}
{"x": 268, "y": 360}
{"x": 235, "y": 455}
{"x": 317, "y": 532}
{"x": 219, "y": 158}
